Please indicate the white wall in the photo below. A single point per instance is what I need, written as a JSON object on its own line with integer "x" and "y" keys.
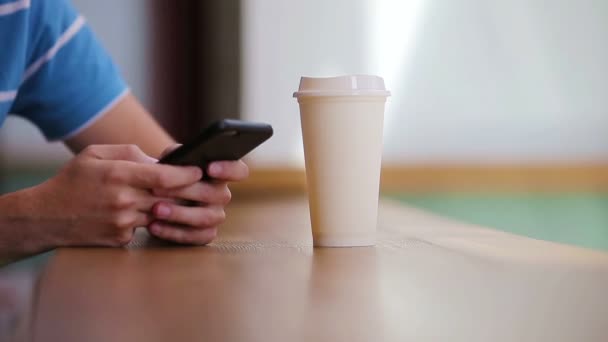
{"x": 122, "y": 28}
{"x": 505, "y": 81}
{"x": 473, "y": 81}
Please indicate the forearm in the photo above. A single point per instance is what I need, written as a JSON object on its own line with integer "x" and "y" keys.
{"x": 128, "y": 122}
{"x": 22, "y": 230}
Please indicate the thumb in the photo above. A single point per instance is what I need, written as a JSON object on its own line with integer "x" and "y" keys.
{"x": 119, "y": 152}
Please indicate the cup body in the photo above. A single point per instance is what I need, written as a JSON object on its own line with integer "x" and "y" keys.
{"x": 343, "y": 152}
{"x": 342, "y": 132}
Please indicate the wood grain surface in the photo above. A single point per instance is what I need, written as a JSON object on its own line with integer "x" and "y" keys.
{"x": 428, "y": 278}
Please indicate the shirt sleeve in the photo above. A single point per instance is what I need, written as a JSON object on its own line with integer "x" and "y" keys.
{"x": 70, "y": 80}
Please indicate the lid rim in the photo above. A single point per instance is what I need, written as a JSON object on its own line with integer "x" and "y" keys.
{"x": 374, "y": 93}
{"x": 347, "y": 85}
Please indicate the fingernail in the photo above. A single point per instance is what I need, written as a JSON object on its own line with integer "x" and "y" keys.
{"x": 162, "y": 211}
{"x": 215, "y": 169}
{"x": 198, "y": 172}
{"x": 152, "y": 160}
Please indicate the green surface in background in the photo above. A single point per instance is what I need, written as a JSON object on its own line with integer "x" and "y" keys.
{"x": 572, "y": 218}
{"x": 19, "y": 179}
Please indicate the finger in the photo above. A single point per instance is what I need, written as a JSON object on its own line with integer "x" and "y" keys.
{"x": 228, "y": 170}
{"x": 124, "y": 223}
{"x": 205, "y": 192}
{"x": 182, "y": 235}
{"x": 142, "y": 220}
{"x": 128, "y": 198}
{"x": 153, "y": 176}
{"x": 145, "y": 200}
{"x": 119, "y": 152}
{"x": 201, "y": 217}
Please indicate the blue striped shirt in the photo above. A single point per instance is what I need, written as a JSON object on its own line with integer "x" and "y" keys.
{"x": 53, "y": 71}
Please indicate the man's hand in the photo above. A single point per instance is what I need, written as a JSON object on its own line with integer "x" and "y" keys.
{"x": 103, "y": 193}
{"x": 196, "y": 224}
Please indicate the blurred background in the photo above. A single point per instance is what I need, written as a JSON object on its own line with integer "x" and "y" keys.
{"x": 499, "y": 113}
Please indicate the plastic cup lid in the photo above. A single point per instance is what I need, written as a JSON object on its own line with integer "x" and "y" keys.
{"x": 351, "y": 85}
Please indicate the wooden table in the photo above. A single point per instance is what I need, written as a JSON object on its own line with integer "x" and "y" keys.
{"x": 428, "y": 278}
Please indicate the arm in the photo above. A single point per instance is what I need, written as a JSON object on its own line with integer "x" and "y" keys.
{"x": 106, "y": 191}
{"x": 97, "y": 199}
{"x": 127, "y": 122}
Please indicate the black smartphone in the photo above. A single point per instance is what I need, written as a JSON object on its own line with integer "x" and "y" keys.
{"x": 224, "y": 140}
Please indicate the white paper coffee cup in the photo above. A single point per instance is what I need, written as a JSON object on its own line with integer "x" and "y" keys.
{"x": 342, "y": 123}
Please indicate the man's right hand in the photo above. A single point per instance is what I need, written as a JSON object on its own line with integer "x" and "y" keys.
{"x": 100, "y": 196}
